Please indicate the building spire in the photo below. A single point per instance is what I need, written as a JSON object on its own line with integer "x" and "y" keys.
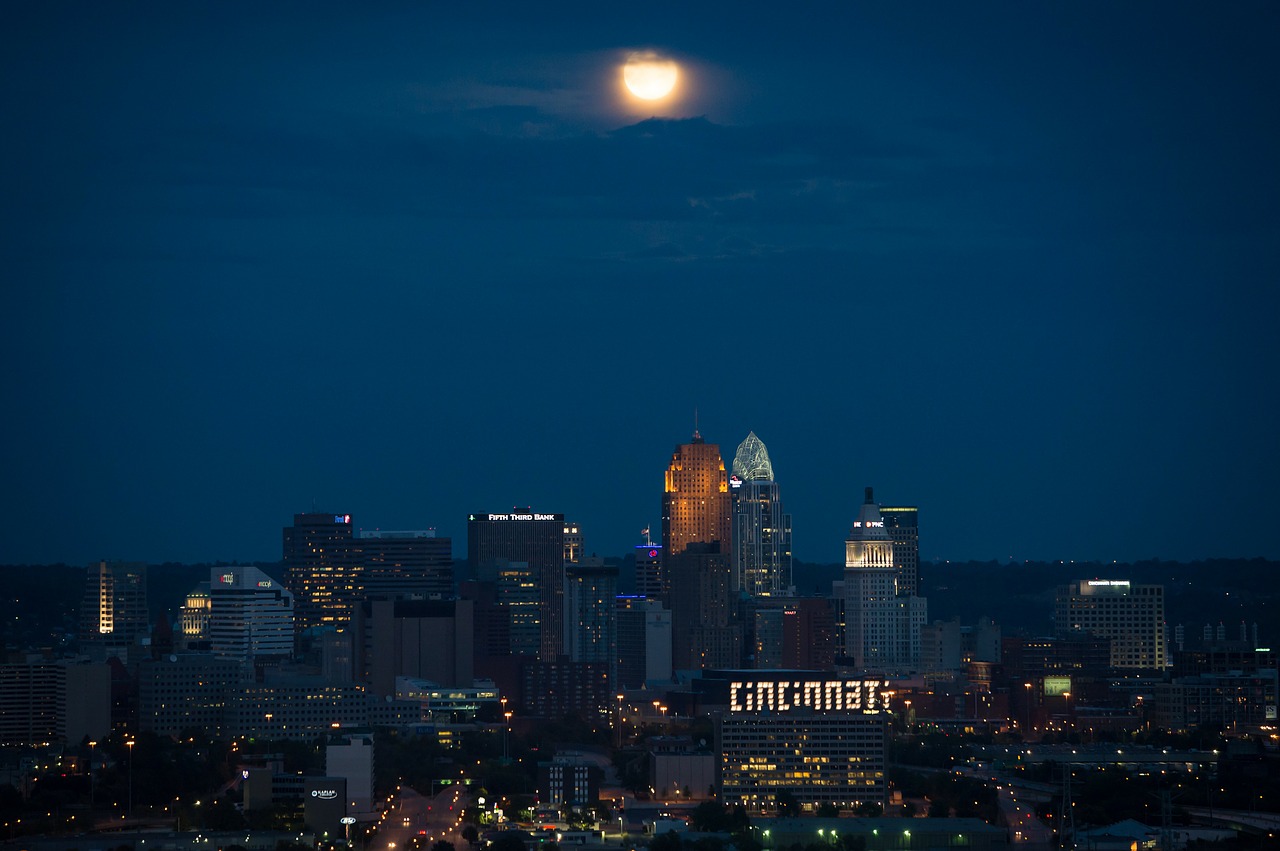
{"x": 696, "y": 435}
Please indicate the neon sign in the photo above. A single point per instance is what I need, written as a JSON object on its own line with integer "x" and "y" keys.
{"x": 863, "y": 696}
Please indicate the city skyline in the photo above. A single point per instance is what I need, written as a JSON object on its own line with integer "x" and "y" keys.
{"x": 1014, "y": 265}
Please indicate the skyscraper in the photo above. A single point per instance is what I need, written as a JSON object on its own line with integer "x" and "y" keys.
{"x": 882, "y": 628}
{"x": 651, "y": 575}
{"x": 319, "y": 569}
{"x": 1132, "y": 616}
{"x": 706, "y": 631}
{"x": 572, "y": 543}
{"x": 250, "y": 614}
{"x": 414, "y": 565}
{"x": 695, "y": 499}
{"x": 538, "y": 540}
{"x": 591, "y": 618}
{"x": 761, "y": 530}
{"x": 114, "y": 610}
{"x": 902, "y": 524}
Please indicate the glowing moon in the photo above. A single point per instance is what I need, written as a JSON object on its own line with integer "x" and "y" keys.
{"x": 649, "y": 77}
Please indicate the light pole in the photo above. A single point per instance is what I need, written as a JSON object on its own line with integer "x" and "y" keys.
{"x": 130, "y": 745}
{"x": 617, "y": 720}
{"x": 1027, "y": 731}
{"x": 506, "y": 733}
{"x": 91, "y": 747}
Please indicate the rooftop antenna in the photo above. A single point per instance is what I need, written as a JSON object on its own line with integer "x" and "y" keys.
{"x": 696, "y": 435}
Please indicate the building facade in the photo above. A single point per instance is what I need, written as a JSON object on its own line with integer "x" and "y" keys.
{"x": 414, "y": 564}
{"x": 644, "y": 642}
{"x": 706, "y": 630}
{"x": 822, "y": 738}
{"x": 882, "y": 626}
{"x": 113, "y": 613}
{"x": 538, "y": 541}
{"x": 1132, "y": 616}
{"x": 695, "y": 499}
{"x": 591, "y": 622}
{"x": 761, "y": 529}
{"x": 319, "y": 569}
{"x": 250, "y": 614}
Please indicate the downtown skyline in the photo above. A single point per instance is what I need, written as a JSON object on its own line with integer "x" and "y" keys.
{"x": 1013, "y": 265}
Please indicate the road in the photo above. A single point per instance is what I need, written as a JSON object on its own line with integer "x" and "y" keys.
{"x": 432, "y": 819}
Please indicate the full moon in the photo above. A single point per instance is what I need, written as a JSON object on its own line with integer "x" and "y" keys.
{"x": 649, "y": 77}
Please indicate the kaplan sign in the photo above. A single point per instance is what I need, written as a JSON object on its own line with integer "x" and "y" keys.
{"x": 865, "y": 696}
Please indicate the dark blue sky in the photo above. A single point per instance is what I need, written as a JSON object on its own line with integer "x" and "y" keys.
{"x": 1013, "y": 263}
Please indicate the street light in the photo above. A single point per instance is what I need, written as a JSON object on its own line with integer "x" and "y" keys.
{"x": 506, "y": 731}
{"x": 617, "y": 720}
{"x": 130, "y": 745}
{"x": 91, "y": 747}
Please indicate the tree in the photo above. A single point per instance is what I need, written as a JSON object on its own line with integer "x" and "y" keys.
{"x": 669, "y": 841}
{"x": 511, "y": 840}
{"x": 443, "y": 846}
{"x": 470, "y": 834}
{"x": 788, "y": 806}
{"x": 827, "y": 810}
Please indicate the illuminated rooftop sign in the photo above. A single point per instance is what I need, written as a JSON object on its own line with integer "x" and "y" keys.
{"x": 559, "y": 518}
{"x": 864, "y": 696}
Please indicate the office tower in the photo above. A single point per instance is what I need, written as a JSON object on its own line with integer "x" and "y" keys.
{"x": 319, "y": 569}
{"x": 651, "y": 576}
{"x": 572, "y": 543}
{"x": 409, "y": 565}
{"x": 424, "y": 639}
{"x": 644, "y": 642}
{"x": 250, "y": 615}
{"x": 113, "y": 614}
{"x": 902, "y": 524}
{"x": 189, "y": 691}
{"x": 591, "y": 619}
{"x": 64, "y": 702}
{"x": 882, "y": 629}
{"x": 705, "y": 629}
{"x": 761, "y": 530}
{"x": 516, "y": 592}
{"x": 695, "y": 499}
{"x": 537, "y": 540}
{"x": 797, "y": 633}
{"x": 1132, "y": 616}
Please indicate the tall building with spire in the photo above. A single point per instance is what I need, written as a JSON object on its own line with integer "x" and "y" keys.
{"x": 882, "y": 626}
{"x": 761, "y": 529}
{"x": 695, "y": 498}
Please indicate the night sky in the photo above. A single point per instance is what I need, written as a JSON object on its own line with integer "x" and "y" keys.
{"x": 1014, "y": 264}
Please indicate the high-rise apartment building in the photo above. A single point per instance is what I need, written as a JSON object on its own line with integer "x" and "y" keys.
{"x": 761, "y": 529}
{"x": 695, "y": 499}
{"x": 1132, "y": 616}
{"x": 320, "y": 569}
{"x": 537, "y": 540}
{"x": 250, "y": 615}
{"x": 882, "y": 627}
{"x": 113, "y": 613}
{"x": 591, "y": 618}
{"x": 411, "y": 565}
{"x": 902, "y": 524}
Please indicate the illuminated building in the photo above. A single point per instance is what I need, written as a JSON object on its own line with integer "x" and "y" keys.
{"x": 250, "y": 614}
{"x": 319, "y": 569}
{"x": 409, "y": 565}
{"x": 572, "y": 543}
{"x": 651, "y": 576}
{"x": 902, "y": 524}
{"x": 1132, "y": 616}
{"x": 705, "y": 629}
{"x": 113, "y": 614}
{"x": 195, "y": 614}
{"x": 695, "y": 499}
{"x": 822, "y": 738}
{"x": 882, "y": 628}
{"x": 761, "y": 530}
{"x": 591, "y": 621}
{"x": 537, "y": 540}
{"x": 516, "y": 593}
{"x": 188, "y": 691}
